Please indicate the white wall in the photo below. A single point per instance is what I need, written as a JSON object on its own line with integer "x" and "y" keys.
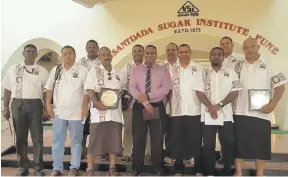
{"x": 62, "y": 21}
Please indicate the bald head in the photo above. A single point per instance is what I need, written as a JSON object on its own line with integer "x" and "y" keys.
{"x": 104, "y": 49}
{"x": 251, "y": 48}
{"x": 250, "y": 41}
{"x": 105, "y": 56}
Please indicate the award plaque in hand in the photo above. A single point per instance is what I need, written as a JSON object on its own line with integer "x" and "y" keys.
{"x": 258, "y": 98}
{"x": 110, "y": 97}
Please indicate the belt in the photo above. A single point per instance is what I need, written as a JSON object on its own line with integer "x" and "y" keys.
{"x": 157, "y": 104}
{"x": 25, "y": 99}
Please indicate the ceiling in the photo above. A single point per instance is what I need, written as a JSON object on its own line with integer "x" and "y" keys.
{"x": 91, "y": 3}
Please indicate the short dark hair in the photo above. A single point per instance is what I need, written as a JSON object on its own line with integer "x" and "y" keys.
{"x": 226, "y": 37}
{"x": 138, "y": 45}
{"x": 30, "y": 46}
{"x": 173, "y": 44}
{"x": 185, "y": 45}
{"x": 216, "y": 48}
{"x": 68, "y": 47}
{"x": 92, "y": 41}
{"x": 153, "y": 46}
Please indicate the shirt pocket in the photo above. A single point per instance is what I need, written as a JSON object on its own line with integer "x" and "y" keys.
{"x": 35, "y": 80}
{"x": 76, "y": 82}
{"x": 225, "y": 83}
{"x": 261, "y": 79}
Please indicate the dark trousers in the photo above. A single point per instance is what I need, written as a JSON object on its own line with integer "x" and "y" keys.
{"x": 226, "y": 137}
{"x": 27, "y": 115}
{"x": 168, "y": 133}
{"x": 186, "y": 141}
{"x": 87, "y": 124}
{"x": 139, "y": 133}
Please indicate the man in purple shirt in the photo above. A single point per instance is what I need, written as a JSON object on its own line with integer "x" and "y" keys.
{"x": 149, "y": 85}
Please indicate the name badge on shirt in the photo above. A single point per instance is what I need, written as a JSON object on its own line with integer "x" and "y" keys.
{"x": 76, "y": 74}
{"x": 19, "y": 79}
{"x": 263, "y": 66}
{"x": 226, "y": 74}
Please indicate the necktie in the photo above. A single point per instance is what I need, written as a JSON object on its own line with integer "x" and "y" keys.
{"x": 148, "y": 81}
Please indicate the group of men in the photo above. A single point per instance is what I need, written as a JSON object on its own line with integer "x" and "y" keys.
{"x": 177, "y": 100}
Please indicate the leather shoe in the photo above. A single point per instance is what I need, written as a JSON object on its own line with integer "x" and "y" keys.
{"x": 159, "y": 173}
{"x": 39, "y": 172}
{"x": 135, "y": 173}
{"x": 22, "y": 172}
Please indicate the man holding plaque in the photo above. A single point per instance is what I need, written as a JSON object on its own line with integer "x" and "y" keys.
{"x": 90, "y": 61}
{"x": 149, "y": 84}
{"x": 218, "y": 86}
{"x": 185, "y": 111}
{"x": 254, "y": 106}
{"x": 104, "y": 86}
{"x": 69, "y": 107}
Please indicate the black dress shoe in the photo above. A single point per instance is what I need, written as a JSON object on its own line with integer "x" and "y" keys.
{"x": 22, "y": 172}
{"x": 159, "y": 173}
{"x": 38, "y": 172}
{"x": 226, "y": 172}
{"x": 135, "y": 173}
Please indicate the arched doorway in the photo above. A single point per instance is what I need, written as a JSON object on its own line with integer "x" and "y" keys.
{"x": 49, "y": 60}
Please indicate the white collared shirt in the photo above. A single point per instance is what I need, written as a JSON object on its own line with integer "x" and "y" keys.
{"x": 231, "y": 60}
{"x": 189, "y": 102}
{"x": 68, "y": 92}
{"x": 88, "y": 64}
{"x": 220, "y": 84}
{"x": 32, "y": 83}
{"x": 170, "y": 68}
{"x": 94, "y": 83}
{"x": 126, "y": 72}
{"x": 259, "y": 75}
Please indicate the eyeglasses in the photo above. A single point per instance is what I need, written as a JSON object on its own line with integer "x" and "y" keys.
{"x": 109, "y": 76}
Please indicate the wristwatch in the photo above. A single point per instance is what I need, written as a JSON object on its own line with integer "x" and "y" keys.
{"x": 221, "y": 104}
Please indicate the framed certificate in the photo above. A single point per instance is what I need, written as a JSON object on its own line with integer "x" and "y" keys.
{"x": 110, "y": 97}
{"x": 258, "y": 98}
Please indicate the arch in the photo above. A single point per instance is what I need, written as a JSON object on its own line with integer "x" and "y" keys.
{"x": 48, "y": 59}
{"x": 43, "y": 45}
